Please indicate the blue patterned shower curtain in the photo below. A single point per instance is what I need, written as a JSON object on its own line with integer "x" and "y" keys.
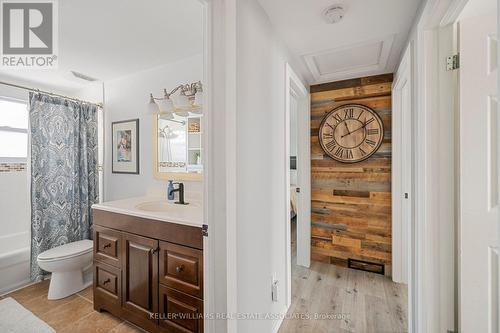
{"x": 64, "y": 175}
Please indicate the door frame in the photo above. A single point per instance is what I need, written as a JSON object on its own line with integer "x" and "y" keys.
{"x": 220, "y": 164}
{"x": 296, "y": 89}
{"x": 209, "y": 85}
{"x": 401, "y": 234}
{"x": 433, "y": 296}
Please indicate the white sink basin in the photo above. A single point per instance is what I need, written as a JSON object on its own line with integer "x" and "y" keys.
{"x": 161, "y": 206}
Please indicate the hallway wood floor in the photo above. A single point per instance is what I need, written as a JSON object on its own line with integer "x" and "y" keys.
{"x": 363, "y": 302}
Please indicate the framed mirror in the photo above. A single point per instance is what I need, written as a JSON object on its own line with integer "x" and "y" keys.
{"x": 177, "y": 144}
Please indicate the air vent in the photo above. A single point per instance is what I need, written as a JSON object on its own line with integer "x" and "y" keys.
{"x": 83, "y": 77}
{"x": 365, "y": 266}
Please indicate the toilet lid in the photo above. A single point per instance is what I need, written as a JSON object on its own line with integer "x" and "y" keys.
{"x": 67, "y": 250}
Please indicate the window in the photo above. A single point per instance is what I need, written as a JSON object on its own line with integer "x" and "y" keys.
{"x": 13, "y": 130}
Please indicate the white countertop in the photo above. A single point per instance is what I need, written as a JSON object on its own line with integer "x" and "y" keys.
{"x": 191, "y": 214}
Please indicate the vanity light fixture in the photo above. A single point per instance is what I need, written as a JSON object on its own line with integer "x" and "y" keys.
{"x": 166, "y": 103}
{"x": 198, "y": 99}
{"x": 152, "y": 106}
{"x": 183, "y": 101}
{"x": 189, "y": 100}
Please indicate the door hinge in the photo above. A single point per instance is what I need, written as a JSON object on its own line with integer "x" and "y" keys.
{"x": 453, "y": 62}
{"x": 204, "y": 230}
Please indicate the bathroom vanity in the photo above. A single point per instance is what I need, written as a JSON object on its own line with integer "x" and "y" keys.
{"x": 148, "y": 263}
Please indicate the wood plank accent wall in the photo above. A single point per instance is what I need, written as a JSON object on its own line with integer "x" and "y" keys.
{"x": 351, "y": 203}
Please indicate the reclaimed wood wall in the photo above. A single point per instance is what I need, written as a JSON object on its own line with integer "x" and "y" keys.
{"x": 351, "y": 203}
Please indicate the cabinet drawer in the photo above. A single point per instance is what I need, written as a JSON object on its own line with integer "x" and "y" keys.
{"x": 180, "y": 313}
{"x": 107, "y": 245}
{"x": 181, "y": 268}
{"x": 107, "y": 283}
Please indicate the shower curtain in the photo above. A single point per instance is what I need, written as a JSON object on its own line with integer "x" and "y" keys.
{"x": 64, "y": 175}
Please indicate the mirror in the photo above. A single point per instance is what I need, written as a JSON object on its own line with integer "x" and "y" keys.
{"x": 178, "y": 147}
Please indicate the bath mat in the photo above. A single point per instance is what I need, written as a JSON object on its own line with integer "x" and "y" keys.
{"x": 14, "y": 318}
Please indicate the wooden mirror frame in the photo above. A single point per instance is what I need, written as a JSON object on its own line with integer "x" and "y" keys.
{"x": 187, "y": 176}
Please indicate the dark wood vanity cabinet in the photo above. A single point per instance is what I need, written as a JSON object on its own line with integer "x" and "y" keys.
{"x": 149, "y": 272}
{"x": 139, "y": 277}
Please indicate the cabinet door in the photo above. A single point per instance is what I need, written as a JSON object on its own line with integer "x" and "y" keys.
{"x": 180, "y": 313}
{"x": 140, "y": 278}
{"x": 181, "y": 268}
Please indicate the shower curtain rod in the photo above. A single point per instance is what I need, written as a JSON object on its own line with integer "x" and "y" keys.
{"x": 49, "y": 93}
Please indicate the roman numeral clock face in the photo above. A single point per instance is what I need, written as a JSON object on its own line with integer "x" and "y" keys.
{"x": 351, "y": 133}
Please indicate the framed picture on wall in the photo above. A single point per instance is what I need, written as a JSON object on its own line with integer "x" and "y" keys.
{"x": 125, "y": 143}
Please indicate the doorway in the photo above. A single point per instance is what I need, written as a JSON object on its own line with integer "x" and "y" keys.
{"x": 350, "y": 225}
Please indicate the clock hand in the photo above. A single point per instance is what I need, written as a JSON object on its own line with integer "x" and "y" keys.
{"x": 347, "y": 127}
{"x": 357, "y": 129}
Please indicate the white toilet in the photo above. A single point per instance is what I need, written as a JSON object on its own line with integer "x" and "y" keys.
{"x": 71, "y": 268}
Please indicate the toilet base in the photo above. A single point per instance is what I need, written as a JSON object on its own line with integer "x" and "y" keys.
{"x": 64, "y": 284}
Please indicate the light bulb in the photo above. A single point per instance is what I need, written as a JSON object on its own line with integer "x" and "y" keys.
{"x": 198, "y": 98}
{"x": 166, "y": 105}
{"x": 182, "y": 101}
{"x": 152, "y": 107}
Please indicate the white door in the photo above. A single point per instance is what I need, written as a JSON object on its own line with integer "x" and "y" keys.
{"x": 479, "y": 216}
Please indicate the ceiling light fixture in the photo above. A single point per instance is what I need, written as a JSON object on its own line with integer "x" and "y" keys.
{"x": 189, "y": 100}
{"x": 334, "y": 14}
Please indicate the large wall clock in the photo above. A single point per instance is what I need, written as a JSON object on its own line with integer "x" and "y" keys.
{"x": 351, "y": 133}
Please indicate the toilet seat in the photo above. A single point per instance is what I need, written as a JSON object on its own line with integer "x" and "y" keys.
{"x": 66, "y": 251}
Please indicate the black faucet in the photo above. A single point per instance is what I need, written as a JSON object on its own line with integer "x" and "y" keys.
{"x": 179, "y": 189}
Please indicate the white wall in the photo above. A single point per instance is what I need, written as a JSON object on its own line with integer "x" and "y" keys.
{"x": 260, "y": 172}
{"x": 126, "y": 98}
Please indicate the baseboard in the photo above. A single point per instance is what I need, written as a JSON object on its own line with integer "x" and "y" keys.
{"x": 278, "y": 322}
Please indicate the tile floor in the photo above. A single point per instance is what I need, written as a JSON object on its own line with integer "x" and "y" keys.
{"x": 73, "y": 314}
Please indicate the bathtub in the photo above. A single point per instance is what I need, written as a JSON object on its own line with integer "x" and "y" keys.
{"x": 14, "y": 261}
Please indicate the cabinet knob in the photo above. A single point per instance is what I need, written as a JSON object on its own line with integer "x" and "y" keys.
{"x": 106, "y": 281}
{"x": 155, "y": 251}
{"x": 107, "y": 245}
{"x": 179, "y": 269}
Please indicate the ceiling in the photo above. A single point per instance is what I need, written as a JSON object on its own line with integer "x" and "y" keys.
{"x": 113, "y": 38}
{"x": 367, "y": 41}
